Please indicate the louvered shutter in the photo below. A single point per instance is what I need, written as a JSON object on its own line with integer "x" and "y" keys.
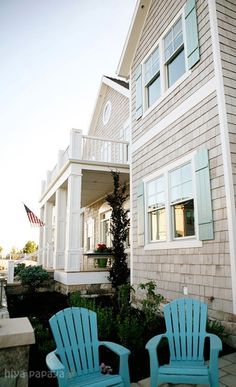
{"x": 191, "y": 28}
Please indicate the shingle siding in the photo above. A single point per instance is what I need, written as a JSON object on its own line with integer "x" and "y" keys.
{"x": 226, "y": 17}
{"x": 203, "y": 71}
{"x": 119, "y": 114}
{"x": 204, "y": 270}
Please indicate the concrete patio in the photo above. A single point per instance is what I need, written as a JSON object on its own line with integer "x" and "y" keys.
{"x": 227, "y": 365}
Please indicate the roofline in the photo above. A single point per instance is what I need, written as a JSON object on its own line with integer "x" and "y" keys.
{"x": 132, "y": 39}
{"x": 116, "y": 86}
{"x": 100, "y": 96}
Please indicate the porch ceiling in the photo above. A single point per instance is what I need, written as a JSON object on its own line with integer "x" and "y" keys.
{"x": 96, "y": 184}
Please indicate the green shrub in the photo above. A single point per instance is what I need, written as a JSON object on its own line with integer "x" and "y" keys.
{"x": 106, "y": 323}
{"x": 151, "y": 305}
{"x": 33, "y": 277}
{"x": 43, "y": 336}
{"x": 76, "y": 299}
{"x": 18, "y": 268}
{"x": 214, "y": 326}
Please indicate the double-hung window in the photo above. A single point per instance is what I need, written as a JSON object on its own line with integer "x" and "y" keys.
{"x": 105, "y": 235}
{"x": 156, "y": 209}
{"x": 170, "y": 195}
{"x": 174, "y": 206}
{"x": 181, "y": 201}
{"x": 152, "y": 77}
{"x": 174, "y": 53}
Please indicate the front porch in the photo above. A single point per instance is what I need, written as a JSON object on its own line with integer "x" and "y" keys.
{"x": 81, "y": 177}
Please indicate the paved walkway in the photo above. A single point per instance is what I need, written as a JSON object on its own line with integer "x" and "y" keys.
{"x": 227, "y": 365}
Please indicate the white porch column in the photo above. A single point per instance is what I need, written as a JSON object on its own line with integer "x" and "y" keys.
{"x": 60, "y": 229}
{"x": 73, "y": 248}
{"x": 75, "y": 148}
{"x": 41, "y": 238}
{"x": 47, "y": 240}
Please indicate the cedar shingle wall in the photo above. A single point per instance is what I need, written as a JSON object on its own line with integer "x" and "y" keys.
{"x": 205, "y": 271}
{"x": 226, "y": 13}
{"x": 119, "y": 114}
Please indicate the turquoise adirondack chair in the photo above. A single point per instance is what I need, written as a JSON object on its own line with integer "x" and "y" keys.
{"x": 75, "y": 361}
{"x": 185, "y": 320}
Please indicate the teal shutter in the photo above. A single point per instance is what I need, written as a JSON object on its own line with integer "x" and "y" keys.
{"x": 203, "y": 191}
{"x": 191, "y": 29}
{"x": 139, "y": 92}
{"x": 141, "y": 214}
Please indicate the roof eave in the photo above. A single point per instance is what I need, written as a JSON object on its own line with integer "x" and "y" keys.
{"x": 132, "y": 39}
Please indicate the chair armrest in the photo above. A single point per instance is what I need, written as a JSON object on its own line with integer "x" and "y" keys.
{"x": 123, "y": 353}
{"x": 53, "y": 363}
{"x": 215, "y": 342}
{"x": 154, "y": 342}
{"x": 117, "y": 348}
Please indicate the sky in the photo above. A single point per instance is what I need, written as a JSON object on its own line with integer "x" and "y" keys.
{"x": 53, "y": 54}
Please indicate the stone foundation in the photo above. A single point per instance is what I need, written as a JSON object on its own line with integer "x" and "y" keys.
{"x": 16, "y": 336}
{"x": 90, "y": 289}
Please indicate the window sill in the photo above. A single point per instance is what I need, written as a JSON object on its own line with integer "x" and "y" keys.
{"x": 181, "y": 244}
{"x": 166, "y": 93}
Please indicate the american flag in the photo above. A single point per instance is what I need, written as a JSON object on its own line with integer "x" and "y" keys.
{"x": 33, "y": 219}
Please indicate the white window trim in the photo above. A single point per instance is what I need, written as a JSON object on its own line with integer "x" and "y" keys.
{"x": 171, "y": 243}
{"x": 90, "y": 221}
{"x": 165, "y": 91}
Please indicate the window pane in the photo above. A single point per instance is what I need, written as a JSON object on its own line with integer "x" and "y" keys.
{"x": 154, "y": 91}
{"x": 173, "y": 40}
{"x": 181, "y": 183}
{"x": 176, "y": 68}
{"x": 155, "y": 192}
{"x": 184, "y": 219}
{"x": 157, "y": 225}
{"x": 187, "y": 190}
{"x": 152, "y": 66}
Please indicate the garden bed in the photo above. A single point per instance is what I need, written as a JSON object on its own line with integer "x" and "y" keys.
{"x": 128, "y": 327}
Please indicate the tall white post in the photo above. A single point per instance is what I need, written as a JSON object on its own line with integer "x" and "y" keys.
{"x": 41, "y": 237}
{"x": 75, "y": 148}
{"x": 47, "y": 238}
{"x": 73, "y": 248}
{"x": 10, "y": 271}
{"x": 60, "y": 229}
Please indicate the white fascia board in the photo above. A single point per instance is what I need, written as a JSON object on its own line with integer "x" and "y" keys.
{"x": 105, "y": 82}
{"x": 119, "y": 88}
{"x": 225, "y": 144}
{"x": 132, "y": 39}
{"x": 97, "y": 107}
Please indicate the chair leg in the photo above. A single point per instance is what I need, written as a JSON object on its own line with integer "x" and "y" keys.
{"x": 214, "y": 378}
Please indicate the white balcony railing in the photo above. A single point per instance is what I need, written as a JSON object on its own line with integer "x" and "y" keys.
{"x": 91, "y": 149}
{"x": 104, "y": 150}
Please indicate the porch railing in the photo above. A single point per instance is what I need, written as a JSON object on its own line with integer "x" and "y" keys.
{"x": 104, "y": 150}
{"x": 91, "y": 149}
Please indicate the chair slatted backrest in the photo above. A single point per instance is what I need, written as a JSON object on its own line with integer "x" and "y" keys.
{"x": 75, "y": 333}
{"x": 186, "y": 320}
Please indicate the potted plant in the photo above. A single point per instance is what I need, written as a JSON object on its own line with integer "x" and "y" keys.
{"x": 102, "y": 249}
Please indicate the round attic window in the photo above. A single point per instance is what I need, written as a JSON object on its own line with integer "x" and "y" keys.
{"x": 106, "y": 112}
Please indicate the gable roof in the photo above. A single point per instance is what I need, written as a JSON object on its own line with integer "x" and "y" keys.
{"x": 119, "y": 81}
{"x": 135, "y": 30}
{"x": 119, "y": 85}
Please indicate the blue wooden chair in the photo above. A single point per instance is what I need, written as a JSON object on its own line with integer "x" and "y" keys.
{"x": 185, "y": 320}
{"x": 75, "y": 361}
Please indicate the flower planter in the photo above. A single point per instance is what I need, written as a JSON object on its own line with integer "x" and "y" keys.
{"x": 102, "y": 262}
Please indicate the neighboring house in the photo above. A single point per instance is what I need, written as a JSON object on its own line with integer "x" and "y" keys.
{"x": 72, "y": 201}
{"x": 179, "y": 57}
